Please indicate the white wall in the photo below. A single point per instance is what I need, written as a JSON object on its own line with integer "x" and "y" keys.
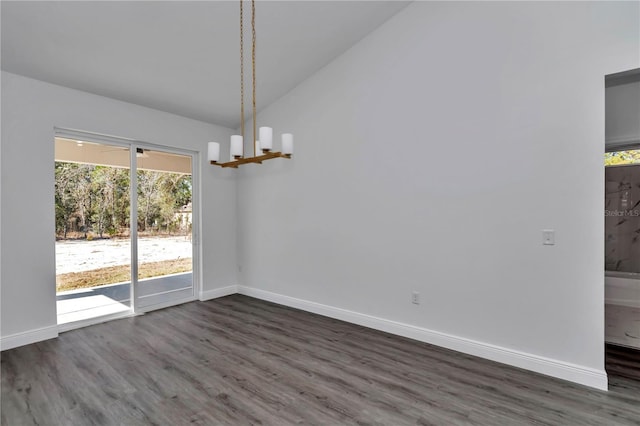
{"x": 30, "y": 111}
{"x": 429, "y": 157}
{"x": 622, "y": 123}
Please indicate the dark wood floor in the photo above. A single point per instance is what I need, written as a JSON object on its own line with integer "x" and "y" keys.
{"x": 239, "y": 360}
{"x": 623, "y": 362}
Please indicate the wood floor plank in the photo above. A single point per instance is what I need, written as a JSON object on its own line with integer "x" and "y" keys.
{"x": 238, "y": 360}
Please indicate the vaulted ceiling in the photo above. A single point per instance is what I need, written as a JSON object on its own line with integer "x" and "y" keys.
{"x": 181, "y": 56}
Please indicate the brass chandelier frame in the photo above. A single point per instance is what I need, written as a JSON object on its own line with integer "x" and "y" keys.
{"x": 266, "y": 154}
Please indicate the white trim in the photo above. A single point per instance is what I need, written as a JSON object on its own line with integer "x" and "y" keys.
{"x": 563, "y": 370}
{"x": 623, "y": 302}
{"x": 622, "y": 290}
{"x": 133, "y": 230}
{"x": 27, "y": 337}
{"x": 623, "y": 282}
{"x": 196, "y": 244}
{"x": 622, "y": 143}
{"x": 196, "y": 231}
{"x": 67, "y": 133}
{"x": 167, "y": 304}
{"x": 68, "y": 326}
{"x": 167, "y": 292}
{"x": 218, "y": 292}
{"x": 575, "y": 373}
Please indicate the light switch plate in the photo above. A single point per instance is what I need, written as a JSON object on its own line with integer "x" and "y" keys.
{"x": 548, "y": 237}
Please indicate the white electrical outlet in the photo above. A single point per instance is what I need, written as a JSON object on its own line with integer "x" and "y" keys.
{"x": 415, "y": 298}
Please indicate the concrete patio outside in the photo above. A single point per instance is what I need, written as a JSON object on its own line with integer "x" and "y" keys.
{"x": 82, "y": 304}
{"x": 82, "y": 255}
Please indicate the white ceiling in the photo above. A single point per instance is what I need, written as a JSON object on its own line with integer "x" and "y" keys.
{"x": 181, "y": 56}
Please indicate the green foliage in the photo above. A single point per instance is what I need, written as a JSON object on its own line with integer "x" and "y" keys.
{"x": 95, "y": 199}
{"x": 160, "y": 197}
{"x": 618, "y": 158}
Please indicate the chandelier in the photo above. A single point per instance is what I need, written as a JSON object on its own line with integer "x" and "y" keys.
{"x": 262, "y": 146}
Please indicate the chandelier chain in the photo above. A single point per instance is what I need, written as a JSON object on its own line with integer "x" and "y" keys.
{"x": 238, "y": 141}
{"x": 241, "y": 69}
{"x": 253, "y": 67}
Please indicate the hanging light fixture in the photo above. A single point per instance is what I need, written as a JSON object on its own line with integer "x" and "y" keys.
{"x": 262, "y": 146}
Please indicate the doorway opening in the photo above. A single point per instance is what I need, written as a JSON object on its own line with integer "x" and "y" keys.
{"x": 622, "y": 223}
{"x": 105, "y": 267}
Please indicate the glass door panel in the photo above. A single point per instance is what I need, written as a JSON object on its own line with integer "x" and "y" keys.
{"x": 93, "y": 246}
{"x": 164, "y": 228}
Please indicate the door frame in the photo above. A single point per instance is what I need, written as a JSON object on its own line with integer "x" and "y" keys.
{"x": 195, "y": 227}
{"x": 132, "y": 145}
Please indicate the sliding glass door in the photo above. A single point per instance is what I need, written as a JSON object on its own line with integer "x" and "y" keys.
{"x": 164, "y": 231}
{"x": 93, "y": 244}
{"x": 105, "y": 267}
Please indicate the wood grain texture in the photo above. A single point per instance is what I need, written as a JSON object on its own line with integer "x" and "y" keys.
{"x": 238, "y": 360}
{"x": 623, "y": 362}
{"x": 622, "y": 325}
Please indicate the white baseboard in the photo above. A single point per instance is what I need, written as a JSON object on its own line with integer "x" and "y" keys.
{"x": 551, "y": 367}
{"x": 218, "y": 292}
{"x": 622, "y": 291}
{"x": 28, "y": 337}
{"x": 567, "y": 371}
